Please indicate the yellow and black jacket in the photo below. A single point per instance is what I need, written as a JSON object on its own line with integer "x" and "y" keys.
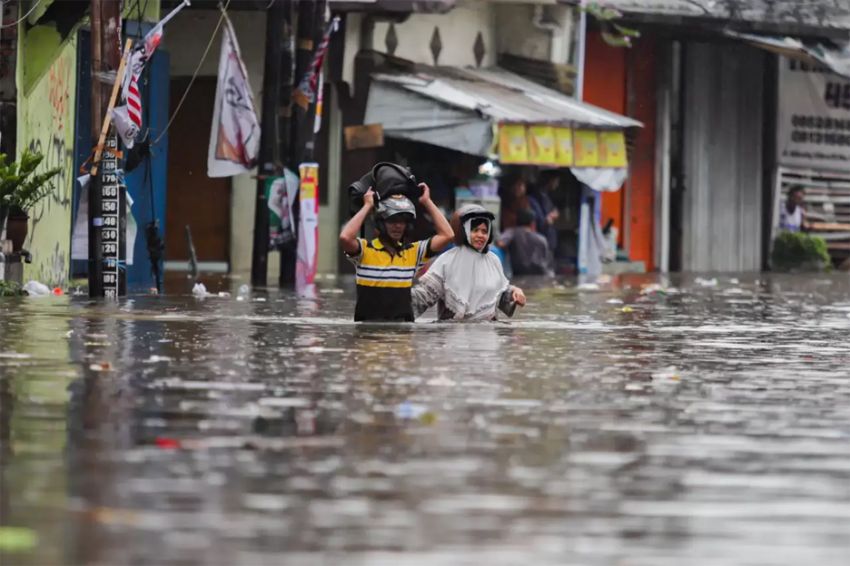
{"x": 384, "y": 279}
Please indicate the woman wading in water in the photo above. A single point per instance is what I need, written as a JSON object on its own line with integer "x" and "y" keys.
{"x": 468, "y": 282}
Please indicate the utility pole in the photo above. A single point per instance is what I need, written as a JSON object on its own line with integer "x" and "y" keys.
{"x": 106, "y": 57}
{"x": 276, "y": 23}
{"x": 310, "y": 18}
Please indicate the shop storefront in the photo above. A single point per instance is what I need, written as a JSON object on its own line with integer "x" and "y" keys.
{"x": 489, "y": 127}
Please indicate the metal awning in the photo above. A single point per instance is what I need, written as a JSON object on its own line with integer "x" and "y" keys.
{"x": 460, "y": 108}
{"x": 816, "y": 54}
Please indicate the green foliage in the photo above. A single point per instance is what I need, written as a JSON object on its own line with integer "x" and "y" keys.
{"x": 798, "y": 251}
{"x": 10, "y": 289}
{"x": 613, "y": 34}
{"x": 20, "y": 185}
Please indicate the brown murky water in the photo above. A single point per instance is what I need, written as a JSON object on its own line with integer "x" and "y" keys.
{"x": 609, "y": 426}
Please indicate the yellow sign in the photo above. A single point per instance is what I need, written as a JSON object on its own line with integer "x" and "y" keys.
{"x": 586, "y": 148}
{"x": 612, "y": 149}
{"x": 309, "y": 173}
{"x": 513, "y": 146}
{"x": 563, "y": 147}
{"x": 541, "y": 145}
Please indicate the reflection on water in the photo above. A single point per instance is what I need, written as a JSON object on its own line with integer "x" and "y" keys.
{"x": 695, "y": 423}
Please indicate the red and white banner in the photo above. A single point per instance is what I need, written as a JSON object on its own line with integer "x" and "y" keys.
{"x": 307, "y": 89}
{"x": 235, "y": 135}
{"x": 128, "y": 117}
{"x": 308, "y": 229}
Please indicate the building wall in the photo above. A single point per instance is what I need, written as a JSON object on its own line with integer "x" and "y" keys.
{"x": 186, "y": 39}
{"x": 605, "y": 86}
{"x": 639, "y": 212}
{"x": 458, "y": 31}
{"x": 623, "y": 80}
{"x": 46, "y": 81}
{"x": 723, "y": 135}
{"x": 46, "y": 111}
{"x": 518, "y": 35}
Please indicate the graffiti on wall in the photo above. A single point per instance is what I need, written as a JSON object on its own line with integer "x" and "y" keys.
{"x": 48, "y": 127}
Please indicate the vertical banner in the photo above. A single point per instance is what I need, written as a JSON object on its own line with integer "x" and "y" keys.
{"x": 235, "y": 133}
{"x": 541, "y": 145}
{"x": 513, "y": 144}
{"x": 813, "y": 125}
{"x": 281, "y": 193}
{"x": 563, "y": 147}
{"x": 308, "y": 228}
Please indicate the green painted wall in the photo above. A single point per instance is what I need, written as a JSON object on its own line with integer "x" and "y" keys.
{"x": 46, "y": 123}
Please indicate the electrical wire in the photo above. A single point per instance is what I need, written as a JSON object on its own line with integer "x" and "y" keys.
{"x": 195, "y": 74}
{"x": 25, "y": 16}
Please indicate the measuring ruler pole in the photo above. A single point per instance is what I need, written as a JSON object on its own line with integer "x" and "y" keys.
{"x": 113, "y": 231}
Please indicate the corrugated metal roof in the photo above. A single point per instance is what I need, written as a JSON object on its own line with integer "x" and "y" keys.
{"x": 503, "y": 97}
{"x": 832, "y": 14}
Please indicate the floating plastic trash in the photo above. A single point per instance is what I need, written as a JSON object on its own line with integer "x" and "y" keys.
{"x": 200, "y": 290}
{"x": 36, "y": 289}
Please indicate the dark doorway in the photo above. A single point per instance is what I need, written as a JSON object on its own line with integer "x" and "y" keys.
{"x": 194, "y": 199}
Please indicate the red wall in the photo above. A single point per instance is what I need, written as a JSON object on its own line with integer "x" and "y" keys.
{"x": 623, "y": 80}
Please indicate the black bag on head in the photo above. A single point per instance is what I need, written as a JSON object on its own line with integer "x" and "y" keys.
{"x": 386, "y": 179}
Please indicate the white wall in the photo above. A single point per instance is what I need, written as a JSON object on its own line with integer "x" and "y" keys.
{"x": 185, "y": 39}
{"x": 518, "y": 35}
{"x": 458, "y": 30}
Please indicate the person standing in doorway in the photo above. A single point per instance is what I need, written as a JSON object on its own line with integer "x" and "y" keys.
{"x": 528, "y": 250}
{"x": 792, "y": 215}
{"x": 514, "y": 199}
{"x": 545, "y": 212}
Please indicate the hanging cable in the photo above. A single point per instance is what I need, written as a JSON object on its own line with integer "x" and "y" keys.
{"x": 197, "y": 71}
{"x": 25, "y": 16}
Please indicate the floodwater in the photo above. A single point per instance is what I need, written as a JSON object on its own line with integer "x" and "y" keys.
{"x": 703, "y": 425}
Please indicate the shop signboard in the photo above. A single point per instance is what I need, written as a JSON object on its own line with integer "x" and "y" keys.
{"x": 559, "y": 146}
{"x": 813, "y": 127}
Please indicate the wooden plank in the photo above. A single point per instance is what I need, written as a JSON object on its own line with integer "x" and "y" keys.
{"x": 830, "y": 226}
{"x": 364, "y": 137}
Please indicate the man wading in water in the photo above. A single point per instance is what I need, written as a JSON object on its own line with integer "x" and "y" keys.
{"x": 386, "y": 265}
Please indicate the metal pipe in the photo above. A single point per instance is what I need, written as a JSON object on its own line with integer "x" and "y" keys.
{"x": 193, "y": 256}
{"x": 582, "y": 39}
{"x": 266, "y": 165}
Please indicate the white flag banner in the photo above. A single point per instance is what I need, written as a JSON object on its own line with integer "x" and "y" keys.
{"x": 126, "y": 127}
{"x": 235, "y": 135}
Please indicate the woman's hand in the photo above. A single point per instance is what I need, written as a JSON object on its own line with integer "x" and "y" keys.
{"x": 518, "y": 296}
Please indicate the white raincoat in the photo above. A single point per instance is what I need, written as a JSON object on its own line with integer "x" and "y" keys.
{"x": 464, "y": 283}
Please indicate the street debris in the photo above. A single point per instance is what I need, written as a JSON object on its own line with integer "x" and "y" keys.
{"x": 36, "y": 289}
{"x": 200, "y": 290}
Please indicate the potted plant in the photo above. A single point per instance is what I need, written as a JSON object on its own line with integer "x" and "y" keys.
{"x": 20, "y": 189}
{"x": 799, "y": 252}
